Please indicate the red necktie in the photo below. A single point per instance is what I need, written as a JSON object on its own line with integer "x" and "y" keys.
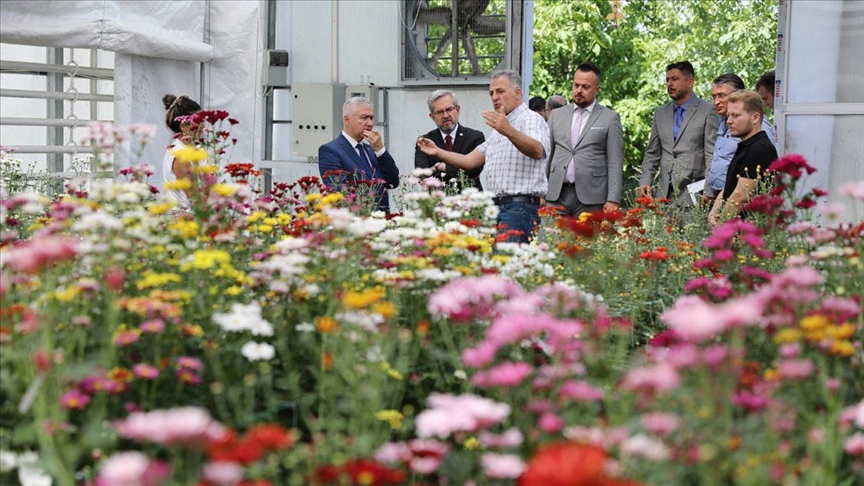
{"x": 448, "y": 143}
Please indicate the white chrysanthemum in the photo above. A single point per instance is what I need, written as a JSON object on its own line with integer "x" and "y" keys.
{"x": 288, "y": 264}
{"x": 340, "y": 218}
{"x": 290, "y": 244}
{"x": 8, "y": 461}
{"x": 365, "y": 227}
{"x": 304, "y": 327}
{"x": 97, "y": 221}
{"x": 258, "y": 351}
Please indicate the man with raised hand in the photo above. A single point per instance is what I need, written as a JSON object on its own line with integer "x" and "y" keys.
{"x": 514, "y": 156}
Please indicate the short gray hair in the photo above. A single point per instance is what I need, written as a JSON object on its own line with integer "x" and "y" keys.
{"x": 438, "y": 94}
{"x": 349, "y": 105}
{"x": 510, "y": 74}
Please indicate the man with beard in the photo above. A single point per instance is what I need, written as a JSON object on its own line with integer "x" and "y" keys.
{"x": 452, "y": 136}
{"x": 754, "y": 154}
{"x": 682, "y": 139}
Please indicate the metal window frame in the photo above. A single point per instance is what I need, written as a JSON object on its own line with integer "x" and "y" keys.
{"x": 57, "y": 121}
{"x": 512, "y": 56}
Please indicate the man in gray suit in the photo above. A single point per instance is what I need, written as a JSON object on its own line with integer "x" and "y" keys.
{"x": 682, "y": 138}
{"x": 586, "y": 165}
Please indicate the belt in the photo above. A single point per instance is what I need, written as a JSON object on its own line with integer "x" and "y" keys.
{"x": 517, "y": 198}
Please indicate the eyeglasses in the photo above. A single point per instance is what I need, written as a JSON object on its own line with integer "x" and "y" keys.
{"x": 449, "y": 111}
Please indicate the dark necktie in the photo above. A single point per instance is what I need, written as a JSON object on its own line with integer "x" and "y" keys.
{"x": 448, "y": 143}
{"x": 364, "y": 157}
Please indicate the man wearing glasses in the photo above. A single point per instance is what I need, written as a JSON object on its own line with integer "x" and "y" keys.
{"x": 451, "y": 136}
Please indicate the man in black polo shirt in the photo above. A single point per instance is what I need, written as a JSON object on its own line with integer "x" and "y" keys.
{"x": 751, "y": 160}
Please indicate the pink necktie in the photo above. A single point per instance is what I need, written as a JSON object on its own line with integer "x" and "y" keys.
{"x": 574, "y": 139}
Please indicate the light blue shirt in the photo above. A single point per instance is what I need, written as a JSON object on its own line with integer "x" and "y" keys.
{"x": 724, "y": 150}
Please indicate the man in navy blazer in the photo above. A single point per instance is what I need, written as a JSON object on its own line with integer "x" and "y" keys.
{"x": 444, "y": 110}
{"x": 359, "y": 153}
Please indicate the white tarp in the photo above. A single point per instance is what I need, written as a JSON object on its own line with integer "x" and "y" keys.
{"x": 164, "y": 29}
{"x": 160, "y": 47}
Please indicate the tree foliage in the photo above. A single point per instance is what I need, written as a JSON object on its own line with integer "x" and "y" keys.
{"x": 717, "y": 36}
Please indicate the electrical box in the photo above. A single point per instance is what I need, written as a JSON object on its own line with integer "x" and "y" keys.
{"x": 368, "y": 91}
{"x": 316, "y": 116}
{"x": 275, "y": 72}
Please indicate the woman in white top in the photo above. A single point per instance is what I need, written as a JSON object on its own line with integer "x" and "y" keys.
{"x": 177, "y": 106}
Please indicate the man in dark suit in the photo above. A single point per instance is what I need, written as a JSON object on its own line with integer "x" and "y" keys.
{"x": 450, "y": 135}
{"x": 359, "y": 154}
{"x": 682, "y": 138}
{"x": 586, "y": 166}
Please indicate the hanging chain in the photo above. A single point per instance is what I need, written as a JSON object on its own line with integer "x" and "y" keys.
{"x": 72, "y": 116}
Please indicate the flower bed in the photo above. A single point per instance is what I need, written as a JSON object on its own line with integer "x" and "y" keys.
{"x": 286, "y": 339}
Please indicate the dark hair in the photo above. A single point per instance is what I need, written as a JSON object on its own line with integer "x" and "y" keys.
{"x": 178, "y": 106}
{"x": 537, "y": 103}
{"x": 766, "y": 81}
{"x": 590, "y": 67}
{"x": 730, "y": 79}
{"x": 683, "y": 66}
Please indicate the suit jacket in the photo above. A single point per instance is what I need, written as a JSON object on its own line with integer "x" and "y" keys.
{"x": 598, "y": 155}
{"x": 683, "y": 160}
{"x": 339, "y": 155}
{"x": 465, "y": 140}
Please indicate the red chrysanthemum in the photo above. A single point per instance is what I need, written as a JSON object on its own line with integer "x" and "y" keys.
{"x": 569, "y": 464}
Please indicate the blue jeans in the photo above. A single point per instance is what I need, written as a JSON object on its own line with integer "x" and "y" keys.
{"x": 518, "y": 217}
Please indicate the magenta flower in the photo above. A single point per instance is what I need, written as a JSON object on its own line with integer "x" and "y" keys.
{"x": 854, "y": 445}
{"x": 506, "y": 374}
{"x": 145, "y": 371}
{"x": 509, "y": 439}
{"x": 152, "y": 326}
{"x": 132, "y": 468}
{"x": 580, "y": 391}
{"x": 480, "y": 356}
{"x": 125, "y": 338}
{"x": 501, "y": 466}
{"x": 550, "y": 423}
{"x": 751, "y": 402}
{"x": 191, "y": 426}
{"x": 74, "y": 400}
{"x": 448, "y": 414}
{"x": 660, "y": 423}
{"x": 658, "y": 378}
{"x": 222, "y": 473}
{"x": 472, "y": 297}
{"x": 796, "y": 369}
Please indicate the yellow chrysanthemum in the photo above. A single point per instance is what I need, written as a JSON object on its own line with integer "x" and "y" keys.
{"x": 265, "y": 228}
{"x": 153, "y": 279}
{"x": 842, "y": 348}
{"x": 386, "y": 309}
{"x": 326, "y": 324}
{"x": 225, "y": 190}
{"x": 205, "y": 169}
{"x": 256, "y": 216}
{"x": 394, "y": 417}
{"x": 206, "y": 259}
{"x": 362, "y": 300}
{"x": 842, "y": 331}
{"x": 311, "y": 198}
{"x": 67, "y": 294}
{"x": 189, "y": 154}
{"x": 471, "y": 443}
{"x": 185, "y": 228}
{"x": 160, "y": 208}
{"x": 178, "y": 185}
{"x": 814, "y": 322}
{"x": 787, "y": 335}
{"x": 332, "y": 198}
